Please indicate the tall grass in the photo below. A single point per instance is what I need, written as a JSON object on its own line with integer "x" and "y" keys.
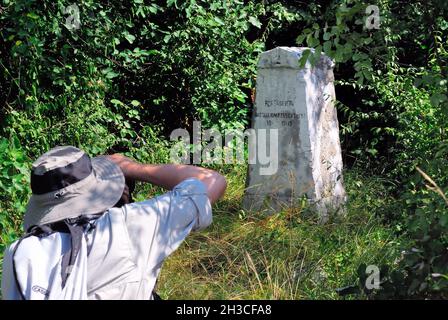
{"x": 288, "y": 255}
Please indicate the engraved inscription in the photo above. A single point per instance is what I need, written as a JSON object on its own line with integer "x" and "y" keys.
{"x": 279, "y": 103}
{"x": 280, "y": 115}
{"x": 287, "y": 123}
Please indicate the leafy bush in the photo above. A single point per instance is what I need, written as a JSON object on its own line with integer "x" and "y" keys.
{"x": 177, "y": 59}
{"x": 421, "y": 272}
{"x": 395, "y": 123}
{"x": 14, "y": 190}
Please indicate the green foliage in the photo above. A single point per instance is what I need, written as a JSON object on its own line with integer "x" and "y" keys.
{"x": 14, "y": 180}
{"x": 14, "y": 190}
{"x": 179, "y": 60}
{"x": 423, "y": 271}
{"x": 399, "y": 121}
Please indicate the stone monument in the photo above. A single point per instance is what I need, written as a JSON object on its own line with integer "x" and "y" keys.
{"x": 299, "y": 103}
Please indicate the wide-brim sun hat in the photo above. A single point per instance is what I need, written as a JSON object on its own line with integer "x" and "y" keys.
{"x": 67, "y": 183}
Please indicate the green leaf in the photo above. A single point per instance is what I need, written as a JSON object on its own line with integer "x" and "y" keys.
{"x": 348, "y": 47}
{"x": 153, "y": 9}
{"x": 219, "y": 21}
{"x": 301, "y": 38}
{"x": 111, "y": 75}
{"x": 437, "y": 98}
{"x": 129, "y": 37}
{"x": 255, "y": 22}
{"x": 338, "y": 56}
{"x": 311, "y": 41}
{"x": 135, "y": 103}
{"x": 318, "y": 51}
{"x": 116, "y": 102}
{"x": 368, "y": 40}
{"x": 304, "y": 58}
{"x": 356, "y": 57}
{"x": 327, "y": 47}
{"x": 32, "y": 15}
{"x": 169, "y": 3}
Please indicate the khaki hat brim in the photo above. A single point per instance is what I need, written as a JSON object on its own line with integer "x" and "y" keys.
{"x": 96, "y": 193}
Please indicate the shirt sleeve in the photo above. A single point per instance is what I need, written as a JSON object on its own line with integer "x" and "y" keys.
{"x": 158, "y": 226}
{"x": 195, "y": 192}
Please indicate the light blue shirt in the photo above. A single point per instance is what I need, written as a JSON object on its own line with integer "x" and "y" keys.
{"x": 129, "y": 244}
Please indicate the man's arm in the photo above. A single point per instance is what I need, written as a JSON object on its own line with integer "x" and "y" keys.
{"x": 170, "y": 175}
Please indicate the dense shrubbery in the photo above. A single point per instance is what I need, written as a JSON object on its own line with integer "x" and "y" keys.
{"x": 407, "y": 108}
{"x": 169, "y": 60}
{"x": 135, "y": 70}
{"x": 14, "y": 189}
{"x": 397, "y": 121}
{"x": 130, "y": 72}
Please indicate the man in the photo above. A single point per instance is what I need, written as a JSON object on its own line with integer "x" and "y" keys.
{"x": 119, "y": 251}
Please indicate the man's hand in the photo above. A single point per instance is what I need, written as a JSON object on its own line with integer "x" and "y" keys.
{"x": 169, "y": 175}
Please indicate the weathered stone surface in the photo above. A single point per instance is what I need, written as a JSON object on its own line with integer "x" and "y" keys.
{"x": 299, "y": 102}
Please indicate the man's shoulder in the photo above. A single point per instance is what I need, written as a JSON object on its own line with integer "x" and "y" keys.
{"x": 187, "y": 187}
{"x": 169, "y": 203}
